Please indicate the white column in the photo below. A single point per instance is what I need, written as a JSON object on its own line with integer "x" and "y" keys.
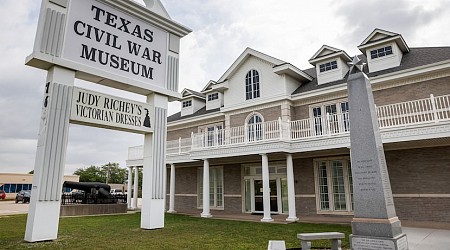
{"x": 129, "y": 186}
{"x": 172, "y": 189}
{"x": 206, "y": 213}
{"x": 154, "y": 179}
{"x": 266, "y": 188}
{"x": 135, "y": 188}
{"x": 291, "y": 189}
{"x": 44, "y": 209}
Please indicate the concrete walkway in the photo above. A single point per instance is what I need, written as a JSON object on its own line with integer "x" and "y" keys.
{"x": 419, "y": 238}
{"x": 427, "y": 239}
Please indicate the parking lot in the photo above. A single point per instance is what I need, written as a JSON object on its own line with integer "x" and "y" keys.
{"x": 10, "y": 207}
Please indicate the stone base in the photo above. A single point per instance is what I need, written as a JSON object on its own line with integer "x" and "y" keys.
{"x": 92, "y": 209}
{"x": 359, "y": 242}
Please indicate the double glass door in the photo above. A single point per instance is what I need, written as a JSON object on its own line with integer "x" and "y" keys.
{"x": 254, "y": 195}
{"x": 259, "y": 205}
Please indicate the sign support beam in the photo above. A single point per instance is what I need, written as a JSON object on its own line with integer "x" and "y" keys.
{"x": 44, "y": 209}
{"x": 154, "y": 169}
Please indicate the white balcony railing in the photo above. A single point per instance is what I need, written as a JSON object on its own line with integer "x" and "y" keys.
{"x": 428, "y": 110}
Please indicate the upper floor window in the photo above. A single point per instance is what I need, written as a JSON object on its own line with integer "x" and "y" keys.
{"x": 381, "y": 52}
{"x": 254, "y": 128}
{"x": 212, "y": 97}
{"x": 212, "y": 135}
{"x": 252, "y": 85}
{"x": 187, "y": 104}
{"x": 330, "y": 118}
{"x": 328, "y": 66}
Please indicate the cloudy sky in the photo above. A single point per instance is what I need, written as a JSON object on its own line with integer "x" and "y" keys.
{"x": 290, "y": 30}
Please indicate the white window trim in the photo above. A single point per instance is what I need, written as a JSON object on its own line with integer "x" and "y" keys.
{"x": 323, "y": 104}
{"x": 182, "y": 104}
{"x": 328, "y": 71}
{"x": 247, "y": 119}
{"x": 394, "y": 52}
{"x": 349, "y": 210}
{"x": 213, "y": 100}
{"x": 260, "y": 86}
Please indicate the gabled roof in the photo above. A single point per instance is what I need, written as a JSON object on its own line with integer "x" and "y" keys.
{"x": 417, "y": 57}
{"x": 191, "y": 93}
{"x": 243, "y": 57}
{"x": 291, "y": 70}
{"x": 327, "y": 52}
{"x": 379, "y": 36}
{"x": 209, "y": 85}
{"x": 157, "y": 7}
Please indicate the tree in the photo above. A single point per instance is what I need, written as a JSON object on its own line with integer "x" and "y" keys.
{"x": 90, "y": 174}
{"x": 31, "y": 172}
{"x": 113, "y": 173}
{"x": 108, "y": 173}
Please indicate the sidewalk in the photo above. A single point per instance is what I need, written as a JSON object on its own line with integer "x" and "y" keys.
{"x": 427, "y": 239}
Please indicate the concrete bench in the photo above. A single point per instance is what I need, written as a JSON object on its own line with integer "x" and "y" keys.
{"x": 334, "y": 237}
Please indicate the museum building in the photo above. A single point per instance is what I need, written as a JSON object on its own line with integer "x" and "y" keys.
{"x": 268, "y": 123}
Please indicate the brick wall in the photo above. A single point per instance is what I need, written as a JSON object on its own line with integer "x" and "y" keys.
{"x": 419, "y": 171}
{"x": 414, "y": 91}
{"x": 412, "y": 172}
{"x": 183, "y": 133}
{"x": 405, "y": 93}
{"x": 269, "y": 114}
{"x": 423, "y": 209}
{"x": 232, "y": 179}
{"x": 304, "y": 176}
{"x": 186, "y": 180}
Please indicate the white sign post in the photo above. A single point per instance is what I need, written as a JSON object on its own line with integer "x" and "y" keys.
{"x": 116, "y": 43}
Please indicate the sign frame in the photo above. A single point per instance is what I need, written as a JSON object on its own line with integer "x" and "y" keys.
{"x": 50, "y": 44}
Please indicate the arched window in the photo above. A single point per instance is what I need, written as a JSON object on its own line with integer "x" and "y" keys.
{"x": 252, "y": 85}
{"x": 254, "y": 127}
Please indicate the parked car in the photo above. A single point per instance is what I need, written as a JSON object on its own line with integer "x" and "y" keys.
{"x": 23, "y": 196}
{"x": 2, "y": 195}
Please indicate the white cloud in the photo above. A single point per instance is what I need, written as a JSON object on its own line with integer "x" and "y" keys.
{"x": 290, "y": 30}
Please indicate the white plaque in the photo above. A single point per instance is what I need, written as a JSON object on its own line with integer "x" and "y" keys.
{"x": 109, "y": 40}
{"x": 372, "y": 244}
{"x": 107, "y": 111}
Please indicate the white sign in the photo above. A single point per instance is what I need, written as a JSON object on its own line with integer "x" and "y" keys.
{"x": 106, "y": 111}
{"x": 106, "y": 39}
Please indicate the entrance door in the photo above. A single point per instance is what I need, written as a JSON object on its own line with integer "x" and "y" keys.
{"x": 258, "y": 187}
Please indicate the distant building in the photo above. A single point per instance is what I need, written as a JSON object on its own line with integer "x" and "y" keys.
{"x": 268, "y": 123}
{"x": 12, "y": 183}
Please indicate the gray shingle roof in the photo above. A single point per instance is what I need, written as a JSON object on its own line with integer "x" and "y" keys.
{"x": 415, "y": 58}
{"x": 202, "y": 111}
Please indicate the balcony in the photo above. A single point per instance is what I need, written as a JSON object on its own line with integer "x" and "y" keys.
{"x": 427, "y": 118}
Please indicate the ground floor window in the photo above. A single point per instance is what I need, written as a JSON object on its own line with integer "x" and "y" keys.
{"x": 334, "y": 190}
{"x": 14, "y": 188}
{"x": 215, "y": 187}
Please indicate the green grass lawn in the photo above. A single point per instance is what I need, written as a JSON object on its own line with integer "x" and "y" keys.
{"x": 180, "y": 232}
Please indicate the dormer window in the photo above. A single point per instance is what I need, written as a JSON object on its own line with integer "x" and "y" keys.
{"x": 212, "y": 97}
{"x": 328, "y": 66}
{"x": 252, "y": 85}
{"x": 187, "y": 104}
{"x": 376, "y": 53}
